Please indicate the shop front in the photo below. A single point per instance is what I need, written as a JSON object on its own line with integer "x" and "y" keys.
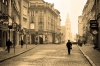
{"x": 4, "y": 34}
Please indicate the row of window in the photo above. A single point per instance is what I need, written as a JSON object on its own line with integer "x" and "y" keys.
{"x": 50, "y": 25}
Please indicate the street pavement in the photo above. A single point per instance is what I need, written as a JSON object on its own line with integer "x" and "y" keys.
{"x": 49, "y": 55}
{"x": 91, "y": 54}
{"x": 4, "y": 55}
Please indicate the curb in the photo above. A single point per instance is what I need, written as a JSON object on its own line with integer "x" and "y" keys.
{"x": 17, "y": 54}
{"x": 90, "y": 61}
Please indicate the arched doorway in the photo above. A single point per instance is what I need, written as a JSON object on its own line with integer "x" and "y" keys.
{"x": 41, "y": 39}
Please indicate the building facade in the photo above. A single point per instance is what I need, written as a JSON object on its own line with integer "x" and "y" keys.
{"x": 97, "y": 4}
{"x": 9, "y": 21}
{"x": 14, "y": 20}
{"x": 3, "y": 22}
{"x": 80, "y": 27}
{"x": 24, "y": 19}
{"x": 14, "y": 23}
{"x": 88, "y": 14}
{"x": 44, "y": 22}
{"x": 63, "y": 31}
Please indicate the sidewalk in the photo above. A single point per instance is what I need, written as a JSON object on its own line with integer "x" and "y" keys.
{"x": 91, "y": 54}
{"x": 4, "y": 55}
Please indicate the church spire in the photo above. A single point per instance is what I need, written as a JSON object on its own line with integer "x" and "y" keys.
{"x": 67, "y": 19}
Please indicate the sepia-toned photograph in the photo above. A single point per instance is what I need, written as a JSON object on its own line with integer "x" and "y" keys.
{"x": 49, "y": 33}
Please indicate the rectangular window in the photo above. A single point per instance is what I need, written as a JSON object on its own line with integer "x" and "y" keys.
{"x": 32, "y": 26}
{"x": 25, "y": 10}
{"x": 32, "y": 19}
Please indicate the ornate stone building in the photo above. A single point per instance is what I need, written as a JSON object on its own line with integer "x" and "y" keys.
{"x": 3, "y": 22}
{"x": 18, "y": 19}
{"x": 91, "y": 11}
{"x": 80, "y": 28}
{"x": 63, "y": 34}
{"x": 13, "y": 21}
{"x": 88, "y": 14}
{"x": 44, "y": 22}
{"x": 97, "y": 4}
{"x": 9, "y": 23}
{"x": 24, "y": 19}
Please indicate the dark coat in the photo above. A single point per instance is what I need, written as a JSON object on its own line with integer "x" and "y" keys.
{"x": 8, "y": 43}
{"x": 68, "y": 44}
{"x": 22, "y": 42}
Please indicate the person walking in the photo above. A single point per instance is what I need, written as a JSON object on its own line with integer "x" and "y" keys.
{"x": 69, "y": 46}
{"x": 8, "y": 44}
{"x": 22, "y": 43}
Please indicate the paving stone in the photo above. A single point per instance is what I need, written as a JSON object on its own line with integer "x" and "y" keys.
{"x": 49, "y": 55}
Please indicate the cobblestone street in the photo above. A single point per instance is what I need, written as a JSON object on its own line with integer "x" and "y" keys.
{"x": 49, "y": 55}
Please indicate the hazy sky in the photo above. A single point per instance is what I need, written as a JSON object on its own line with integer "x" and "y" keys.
{"x": 72, "y": 7}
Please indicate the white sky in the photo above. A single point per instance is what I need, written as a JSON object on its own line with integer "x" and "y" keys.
{"x": 72, "y": 7}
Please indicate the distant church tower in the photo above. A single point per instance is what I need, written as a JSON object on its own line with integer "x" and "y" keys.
{"x": 68, "y": 29}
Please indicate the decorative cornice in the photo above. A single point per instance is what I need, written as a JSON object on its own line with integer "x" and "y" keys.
{"x": 44, "y": 5}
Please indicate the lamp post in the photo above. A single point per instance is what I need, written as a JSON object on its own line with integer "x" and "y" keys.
{"x": 14, "y": 26}
{"x": 23, "y": 34}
